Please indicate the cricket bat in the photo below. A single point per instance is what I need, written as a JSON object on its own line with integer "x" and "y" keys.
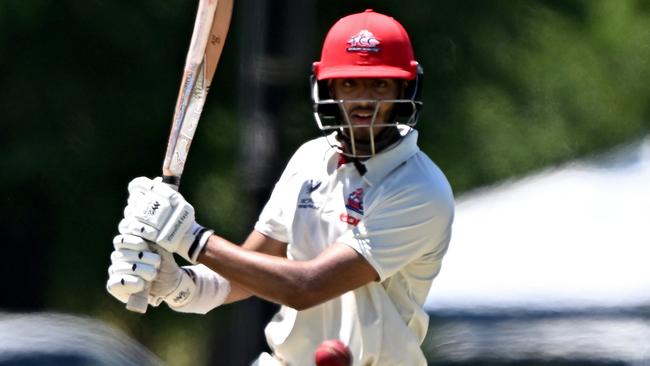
{"x": 208, "y": 38}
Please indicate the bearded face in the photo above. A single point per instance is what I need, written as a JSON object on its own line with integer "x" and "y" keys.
{"x": 367, "y": 109}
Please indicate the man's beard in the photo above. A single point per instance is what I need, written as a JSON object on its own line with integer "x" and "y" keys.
{"x": 363, "y": 146}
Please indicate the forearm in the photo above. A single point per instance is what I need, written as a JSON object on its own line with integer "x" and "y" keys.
{"x": 256, "y": 242}
{"x": 270, "y": 277}
{"x": 237, "y": 293}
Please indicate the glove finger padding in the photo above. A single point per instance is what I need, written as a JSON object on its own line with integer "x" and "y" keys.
{"x": 136, "y": 256}
{"x": 123, "y": 286}
{"x": 132, "y": 226}
{"x": 144, "y": 184}
{"x": 140, "y": 184}
{"x": 132, "y": 242}
{"x": 145, "y": 271}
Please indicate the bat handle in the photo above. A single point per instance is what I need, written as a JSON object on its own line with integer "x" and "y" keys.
{"x": 139, "y": 302}
{"x": 172, "y": 180}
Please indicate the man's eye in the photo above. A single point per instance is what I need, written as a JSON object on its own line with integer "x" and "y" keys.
{"x": 381, "y": 83}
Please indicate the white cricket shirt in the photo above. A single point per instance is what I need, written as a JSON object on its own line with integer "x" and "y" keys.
{"x": 398, "y": 216}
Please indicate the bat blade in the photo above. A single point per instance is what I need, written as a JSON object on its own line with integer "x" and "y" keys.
{"x": 200, "y": 66}
{"x": 208, "y": 39}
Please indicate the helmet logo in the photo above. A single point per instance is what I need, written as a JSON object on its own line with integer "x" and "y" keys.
{"x": 364, "y": 41}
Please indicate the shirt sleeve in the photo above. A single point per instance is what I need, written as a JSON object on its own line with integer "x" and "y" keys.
{"x": 410, "y": 224}
{"x": 270, "y": 222}
{"x": 273, "y": 221}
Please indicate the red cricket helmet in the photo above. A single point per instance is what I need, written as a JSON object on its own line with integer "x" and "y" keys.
{"x": 366, "y": 45}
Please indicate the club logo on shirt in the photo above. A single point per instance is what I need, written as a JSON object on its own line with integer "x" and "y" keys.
{"x": 308, "y": 187}
{"x": 354, "y": 204}
{"x": 355, "y": 201}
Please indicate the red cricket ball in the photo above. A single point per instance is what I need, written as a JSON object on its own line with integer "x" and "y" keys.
{"x": 333, "y": 352}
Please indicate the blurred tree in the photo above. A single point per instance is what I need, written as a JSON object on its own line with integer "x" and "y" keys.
{"x": 88, "y": 88}
{"x": 271, "y": 50}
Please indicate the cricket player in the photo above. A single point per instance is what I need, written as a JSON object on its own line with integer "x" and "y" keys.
{"x": 352, "y": 236}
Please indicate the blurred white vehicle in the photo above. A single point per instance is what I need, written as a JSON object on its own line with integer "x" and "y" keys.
{"x": 554, "y": 267}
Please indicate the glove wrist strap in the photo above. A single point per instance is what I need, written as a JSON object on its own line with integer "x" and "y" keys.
{"x": 200, "y": 240}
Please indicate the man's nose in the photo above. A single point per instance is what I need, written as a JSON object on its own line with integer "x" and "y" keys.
{"x": 364, "y": 93}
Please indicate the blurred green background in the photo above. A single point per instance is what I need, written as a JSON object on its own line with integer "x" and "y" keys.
{"x": 87, "y": 91}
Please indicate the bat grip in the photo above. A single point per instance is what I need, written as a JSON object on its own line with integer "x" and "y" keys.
{"x": 172, "y": 180}
{"x": 139, "y": 302}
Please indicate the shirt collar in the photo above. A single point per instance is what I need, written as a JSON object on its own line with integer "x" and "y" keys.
{"x": 386, "y": 161}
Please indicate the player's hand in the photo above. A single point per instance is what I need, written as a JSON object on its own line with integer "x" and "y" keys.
{"x": 158, "y": 213}
{"x": 135, "y": 261}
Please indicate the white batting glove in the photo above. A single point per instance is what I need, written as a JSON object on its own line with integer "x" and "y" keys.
{"x": 135, "y": 261}
{"x": 158, "y": 213}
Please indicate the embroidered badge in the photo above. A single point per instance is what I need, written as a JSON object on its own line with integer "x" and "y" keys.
{"x": 364, "y": 41}
{"x": 355, "y": 201}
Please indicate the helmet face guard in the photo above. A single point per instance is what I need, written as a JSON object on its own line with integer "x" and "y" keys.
{"x": 331, "y": 116}
{"x": 366, "y": 45}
